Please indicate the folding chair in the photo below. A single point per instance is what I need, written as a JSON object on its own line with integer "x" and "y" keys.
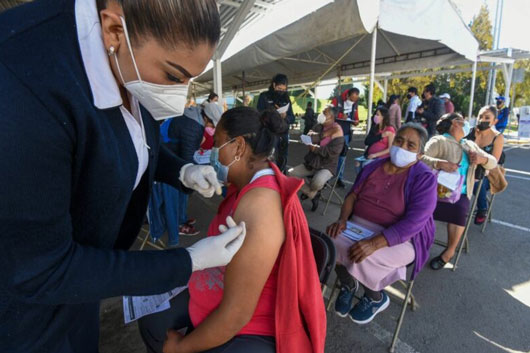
{"x": 488, "y": 216}
{"x": 468, "y": 224}
{"x": 325, "y": 256}
{"x": 333, "y": 186}
{"x": 409, "y": 297}
{"x": 146, "y": 235}
{"x": 464, "y": 241}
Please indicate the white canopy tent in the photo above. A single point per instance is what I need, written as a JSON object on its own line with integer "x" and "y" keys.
{"x": 353, "y": 37}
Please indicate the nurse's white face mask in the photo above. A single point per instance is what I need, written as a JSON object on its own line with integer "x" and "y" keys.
{"x": 162, "y": 101}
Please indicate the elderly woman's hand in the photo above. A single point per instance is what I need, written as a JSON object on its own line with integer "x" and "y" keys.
{"x": 366, "y": 247}
{"x": 336, "y": 228}
{"x": 171, "y": 345}
{"x": 475, "y": 158}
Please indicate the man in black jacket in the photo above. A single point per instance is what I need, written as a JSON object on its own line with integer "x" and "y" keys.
{"x": 431, "y": 110}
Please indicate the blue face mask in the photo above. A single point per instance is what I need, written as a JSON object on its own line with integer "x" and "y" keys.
{"x": 466, "y": 128}
{"x": 221, "y": 169}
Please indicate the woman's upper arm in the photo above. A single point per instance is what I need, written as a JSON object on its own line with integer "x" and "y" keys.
{"x": 249, "y": 270}
{"x": 498, "y": 145}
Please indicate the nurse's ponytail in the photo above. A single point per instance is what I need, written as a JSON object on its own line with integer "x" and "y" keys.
{"x": 171, "y": 22}
{"x": 260, "y": 130}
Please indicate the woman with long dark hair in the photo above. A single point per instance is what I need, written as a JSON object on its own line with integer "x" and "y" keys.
{"x": 83, "y": 85}
{"x": 268, "y": 298}
{"x": 451, "y": 152}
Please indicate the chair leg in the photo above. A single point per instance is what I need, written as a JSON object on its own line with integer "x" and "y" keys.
{"x": 488, "y": 217}
{"x": 330, "y": 196}
{"x": 468, "y": 224}
{"x": 333, "y": 290}
{"x": 144, "y": 241}
{"x": 401, "y": 317}
{"x": 333, "y": 192}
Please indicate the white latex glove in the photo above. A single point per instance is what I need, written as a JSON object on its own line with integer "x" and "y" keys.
{"x": 219, "y": 250}
{"x": 201, "y": 178}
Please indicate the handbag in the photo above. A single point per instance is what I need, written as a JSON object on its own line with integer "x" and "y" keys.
{"x": 447, "y": 194}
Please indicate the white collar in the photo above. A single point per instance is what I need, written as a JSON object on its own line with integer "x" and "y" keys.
{"x": 102, "y": 83}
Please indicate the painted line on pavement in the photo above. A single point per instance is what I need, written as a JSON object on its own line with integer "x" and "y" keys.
{"x": 517, "y": 171}
{"x": 517, "y": 177}
{"x": 511, "y": 225}
{"x": 386, "y": 337}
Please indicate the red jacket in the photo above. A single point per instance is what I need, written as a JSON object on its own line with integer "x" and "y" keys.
{"x": 302, "y": 330}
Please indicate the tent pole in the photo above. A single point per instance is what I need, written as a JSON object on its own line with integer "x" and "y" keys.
{"x": 243, "y": 76}
{"x": 372, "y": 79}
{"x": 385, "y": 88}
{"x": 508, "y": 79}
{"x": 472, "y": 93}
{"x": 315, "y": 103}
{"x": 218, "y": 79}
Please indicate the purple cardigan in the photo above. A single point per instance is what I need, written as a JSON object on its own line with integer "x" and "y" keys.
{"x": 420, "y": 201}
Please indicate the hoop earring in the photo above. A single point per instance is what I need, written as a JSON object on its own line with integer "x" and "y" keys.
{"x": 237, "y": 158}
{"x": 111, "y": 51}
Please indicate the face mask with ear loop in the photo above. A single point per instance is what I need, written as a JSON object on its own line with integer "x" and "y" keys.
{"x": 221, "y": 169}
{"x": 161, "y": 101}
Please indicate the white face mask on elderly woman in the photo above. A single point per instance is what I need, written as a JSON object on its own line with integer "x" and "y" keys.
{"x": 161, "y": 101}
{"x": 401, "y": 157}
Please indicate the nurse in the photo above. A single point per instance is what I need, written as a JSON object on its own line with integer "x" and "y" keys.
{"x": 83, "y": 85}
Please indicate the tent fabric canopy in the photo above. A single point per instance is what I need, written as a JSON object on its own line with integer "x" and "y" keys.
{"x": 411, "y": 34}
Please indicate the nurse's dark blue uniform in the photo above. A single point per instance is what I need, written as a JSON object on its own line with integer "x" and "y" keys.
{"x": 67, "y": 173}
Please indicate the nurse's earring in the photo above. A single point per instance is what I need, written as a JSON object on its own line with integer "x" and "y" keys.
{"x": 111, "y": 51}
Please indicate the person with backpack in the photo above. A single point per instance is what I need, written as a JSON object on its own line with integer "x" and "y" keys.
{"x": 431, "y": 110}
{"x": 274, "y": 98}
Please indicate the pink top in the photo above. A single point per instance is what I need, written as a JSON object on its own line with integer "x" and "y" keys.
{"x": 381, "y": 197}
{"x": 382, "y": 144}
{"x": 206, "y": 287}
{"x": 208, "y": 138}
{"x": 327, "y": 140}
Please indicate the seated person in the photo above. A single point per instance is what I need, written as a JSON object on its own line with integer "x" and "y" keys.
{"x": 323, "y": 156}
{"x": 490, "y": 140}
{"x": 378, "y": 140}
{"x": 451, "y": 152}
{"x": 381, "y": 148}
{"x": 268, "y": 298}
{"x": 394, "y": 198}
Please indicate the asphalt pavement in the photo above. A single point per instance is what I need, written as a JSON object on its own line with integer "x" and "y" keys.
{"x": 484, "y": 306}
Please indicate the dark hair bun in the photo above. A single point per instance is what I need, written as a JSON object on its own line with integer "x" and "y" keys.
{"x": 444, "y": 124}
{"x": 271, "y": 120}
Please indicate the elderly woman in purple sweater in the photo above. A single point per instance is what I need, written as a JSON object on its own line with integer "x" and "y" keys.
{"x": 394, "y": 199}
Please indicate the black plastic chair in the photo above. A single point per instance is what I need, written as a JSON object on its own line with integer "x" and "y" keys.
{"x": 325, "y": 255}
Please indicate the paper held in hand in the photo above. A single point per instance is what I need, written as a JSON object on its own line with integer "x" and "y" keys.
{"x": 306, "y": 140}
{"x": 356, "y": 232}
{"x": 137, "y": 307}
{"x": 283, "y": 109}
{"x": 449, "y": 180}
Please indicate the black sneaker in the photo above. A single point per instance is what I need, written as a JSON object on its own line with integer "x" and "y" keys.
{"x": 340, "y": 183}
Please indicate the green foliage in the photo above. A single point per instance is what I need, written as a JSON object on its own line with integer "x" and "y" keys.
{"x": 482, "y": 29}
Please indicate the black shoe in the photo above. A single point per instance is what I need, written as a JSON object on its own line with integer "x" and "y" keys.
{"x": 340, "y": 183}
{"x": 437, "y": 263}
{"x": 315, "y": 201}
